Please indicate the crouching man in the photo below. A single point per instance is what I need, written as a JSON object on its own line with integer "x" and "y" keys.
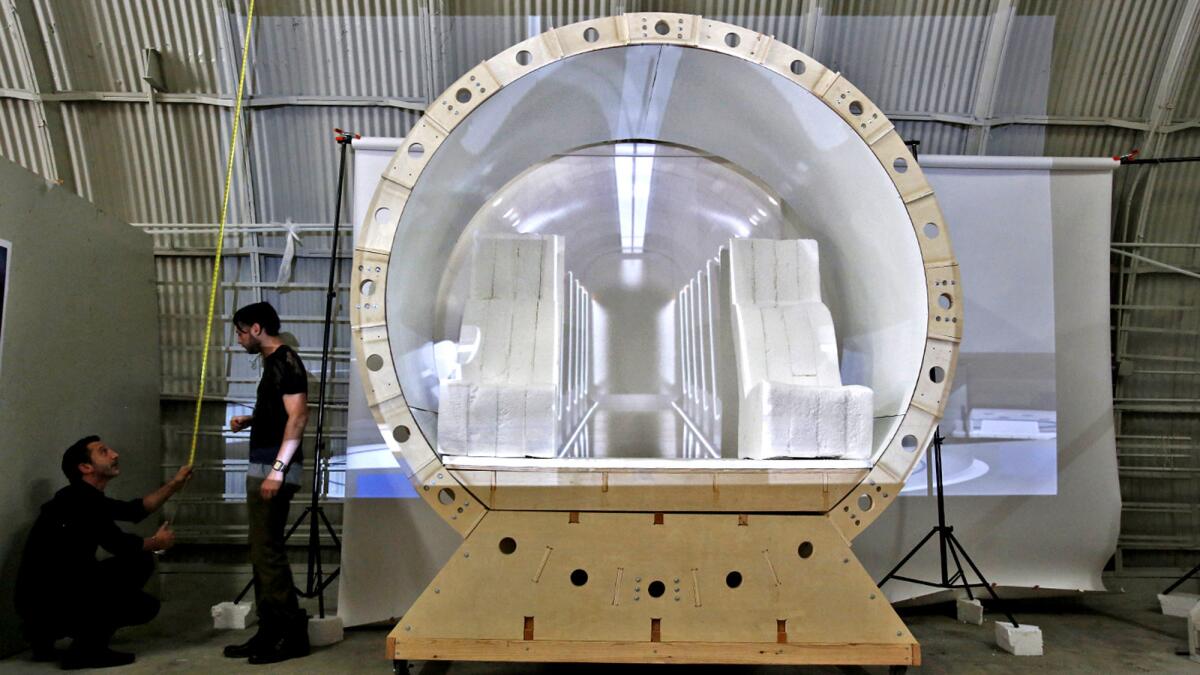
{"x": 62, "y": 589}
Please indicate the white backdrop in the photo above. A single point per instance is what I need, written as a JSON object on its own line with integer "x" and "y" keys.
{"x": 996, "y": 207}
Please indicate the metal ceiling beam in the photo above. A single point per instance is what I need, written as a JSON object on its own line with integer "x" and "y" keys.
{"x": 36, "y": 62}
{"x": 994, "y": 51}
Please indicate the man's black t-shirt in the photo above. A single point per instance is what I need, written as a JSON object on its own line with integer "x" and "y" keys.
{"x": 283, "y": 374}
{"x": 61, "y": 549}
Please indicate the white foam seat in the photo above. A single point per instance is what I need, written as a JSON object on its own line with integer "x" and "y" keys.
{"x": 505, "y": 404}
{"x": 793, "y": 403}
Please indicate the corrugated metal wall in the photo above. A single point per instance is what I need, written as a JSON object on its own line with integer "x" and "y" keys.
{"x": 1029, "y": 77}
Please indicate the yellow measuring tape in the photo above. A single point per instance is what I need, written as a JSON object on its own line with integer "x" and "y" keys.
{"x": 216, "y": 277}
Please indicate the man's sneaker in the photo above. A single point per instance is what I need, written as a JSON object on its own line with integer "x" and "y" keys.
{"x": 292, "y": 644}
{"x": 95, "y": 658}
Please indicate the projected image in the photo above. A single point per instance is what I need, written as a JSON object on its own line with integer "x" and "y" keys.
{"x": 1000, "y": 422}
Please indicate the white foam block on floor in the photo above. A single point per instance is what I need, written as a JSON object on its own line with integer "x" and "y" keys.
{"x": 969, "y": 611}
{"x": 325, "y": 631}
{"x": 232, "y": 616}
{"x": 1177, "y": 604}
{"x": 1023, "y": 640}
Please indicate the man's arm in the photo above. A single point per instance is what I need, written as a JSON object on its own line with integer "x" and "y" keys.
{"x": 296, "y": 406}
{"x": 154, "y": 501}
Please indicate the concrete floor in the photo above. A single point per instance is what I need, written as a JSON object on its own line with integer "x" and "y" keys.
{"x": 1118, "y": 632}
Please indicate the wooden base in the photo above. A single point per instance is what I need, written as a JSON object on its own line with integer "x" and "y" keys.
{"x": 563, "y": 651}
{"x": 654, "y": 588}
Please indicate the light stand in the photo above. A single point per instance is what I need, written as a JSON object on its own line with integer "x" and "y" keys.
{"x": 947, "y": 542}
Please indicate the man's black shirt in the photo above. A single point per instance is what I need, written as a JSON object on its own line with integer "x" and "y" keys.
{"x": 283, "y": 374}
{"x": 71, "y": 526}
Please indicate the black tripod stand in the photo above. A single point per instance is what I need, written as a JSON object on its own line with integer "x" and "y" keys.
{"x": 947, "y": 542}
{"x": 314, "y": 514}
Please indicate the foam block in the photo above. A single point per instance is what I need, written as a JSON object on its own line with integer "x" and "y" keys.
{"x": 969, "y": 611}
{"x": 1177, "y": 604}
{"x": 1023, "y": 640}
{"x": 232, "y": 616}
{"x": 325, "y": 631}
{"x": 786, "y": 420}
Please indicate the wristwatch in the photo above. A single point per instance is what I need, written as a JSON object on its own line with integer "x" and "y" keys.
{"x": 279, "y": 466}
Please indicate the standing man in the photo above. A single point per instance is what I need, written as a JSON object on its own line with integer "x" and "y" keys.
{"x": 272, "y": 479}
{"x": 62, "y": 590}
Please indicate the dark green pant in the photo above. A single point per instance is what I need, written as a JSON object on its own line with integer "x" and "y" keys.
{"x": 274, "y": 592}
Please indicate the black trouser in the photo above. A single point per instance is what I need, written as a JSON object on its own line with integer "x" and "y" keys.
{"x": 90, "y": 607}
{"x": 274, "y": 592}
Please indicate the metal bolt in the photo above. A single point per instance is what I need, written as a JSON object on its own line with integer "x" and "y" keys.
{"x": 872, "y": 596}
{"x": 676, "y": 579}
{"x": 898, "y": 633}
{"x": 408, "y": 628}
{"x": 637, "y": 579}
{"x": 845, "y": 560}
{"x": 437, "y": 590}
{"x": 466, "y": 555}
{"x": 636, "y": 598}
{"x": 637, "y": 589}
{"x": 677, "y": 598}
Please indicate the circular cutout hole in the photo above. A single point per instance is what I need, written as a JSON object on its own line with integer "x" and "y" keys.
{"x": 374, "y": 362}
{"x": 446, "y": 496}
{"x": 798, "y": 67}
{"x": 932, "y": 230}
{"x": 524, "y": 58}
{"x": 909, "y": 442}
{"x": 805, "y": 549}
{"x": 732, "y": 39}
{"x": 382, "y": 215}
{"x": 733, "y": 579}
{"x": 937, "y": 374}
{"x": 900, "y": 165}
{"x": 945, "y": 301}
{"x": 662, "y": 28}
{"x": 579, "y": 577}
{"x": 508, "y": 545}
{"x": 367, "y": 287}
{"x": 656, "y": 589}
{"x": 462, "y": 95}
{"x": 401, "y": 434}
{"x": 855, "y": 108}
{"x": 591, "y": 35}
{"x": 865, "y": 502}
{"x": 416, "y": 150}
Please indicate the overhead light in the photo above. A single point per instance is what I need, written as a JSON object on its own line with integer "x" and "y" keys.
{"x": 633, "y": 167}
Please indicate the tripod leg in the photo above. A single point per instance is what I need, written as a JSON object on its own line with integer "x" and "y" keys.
{"x": 958, "y": 563}
{"x": 1179, "y": 582}
{"x": 987, "y": 586}
{"x": 906, "y": 558}
{"x": 329, "y": 528}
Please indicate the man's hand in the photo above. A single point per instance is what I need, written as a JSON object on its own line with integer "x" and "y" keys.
{"x": 162, "y": 540}
{"x": 240, "y": 422}
{"x": 181, "y": 478}
{"x": 270, "y": 486}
